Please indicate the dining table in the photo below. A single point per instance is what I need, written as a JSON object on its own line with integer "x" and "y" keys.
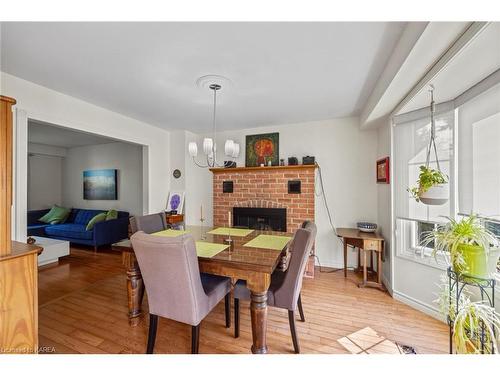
{"x": 252, "y": 255}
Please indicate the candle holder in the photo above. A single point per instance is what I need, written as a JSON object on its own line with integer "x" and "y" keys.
{"x": 203, "y": 234}
{"x": 229, "y": 240}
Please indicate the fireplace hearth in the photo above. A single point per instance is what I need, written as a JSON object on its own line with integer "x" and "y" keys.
{"x": 260, "y": 218}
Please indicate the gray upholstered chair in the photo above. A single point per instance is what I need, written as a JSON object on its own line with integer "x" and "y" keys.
{"x": 148, "y": 223}
{"x": 176, "y": 289}
{"x": 284, "y": 291}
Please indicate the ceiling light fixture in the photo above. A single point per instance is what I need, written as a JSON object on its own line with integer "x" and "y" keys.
{"x": 231, "y": 148}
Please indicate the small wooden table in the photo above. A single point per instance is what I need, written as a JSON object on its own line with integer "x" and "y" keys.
{"x": 255, "y": 265}
{"x": 174, "y": 219}
{"x": 366, "y": 242}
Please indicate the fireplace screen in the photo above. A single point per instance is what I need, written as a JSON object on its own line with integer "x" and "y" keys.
{"x": 260, "y": 218}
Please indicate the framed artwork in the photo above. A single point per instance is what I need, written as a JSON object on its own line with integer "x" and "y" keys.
{"x": 175, "y": 201}
{"x": 100, "y": 184}
{"x": 383, "y": 171}
{"x": 262, "y": 148}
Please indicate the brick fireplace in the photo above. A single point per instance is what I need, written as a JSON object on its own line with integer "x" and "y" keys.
{"x": 266, "y": 187}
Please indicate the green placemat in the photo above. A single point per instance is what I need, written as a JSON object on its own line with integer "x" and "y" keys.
{"x": 267, "y": 241}
{"x": 170, "y": 233}
{"x": 209, "y": 249}
{"x": 236, "y": 232}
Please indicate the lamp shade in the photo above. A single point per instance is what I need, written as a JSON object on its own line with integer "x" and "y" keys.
{"x": 208, "y": 144}
{"x": 236, "y": 150}
{"x": 193, "y": 149}
{"x": 229, "y": 147}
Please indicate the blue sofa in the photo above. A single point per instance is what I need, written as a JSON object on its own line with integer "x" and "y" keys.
{"x": 73, "y": 229}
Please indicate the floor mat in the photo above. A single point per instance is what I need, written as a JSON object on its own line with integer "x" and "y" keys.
{"x": 368, "y": 341}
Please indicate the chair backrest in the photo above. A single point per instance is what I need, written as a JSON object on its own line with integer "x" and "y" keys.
{"x": 287, "y": 294}
{"x": 148, "y": 223}
{"x": 169, "y": 268}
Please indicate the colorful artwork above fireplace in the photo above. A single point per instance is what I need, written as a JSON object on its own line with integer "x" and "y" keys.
{"x": 261, "y": 149}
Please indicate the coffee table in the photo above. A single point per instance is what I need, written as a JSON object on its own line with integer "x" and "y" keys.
{"x": 52, "y": 250}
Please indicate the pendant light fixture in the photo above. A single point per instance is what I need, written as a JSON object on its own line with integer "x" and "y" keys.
{"x": 231, "y": 148}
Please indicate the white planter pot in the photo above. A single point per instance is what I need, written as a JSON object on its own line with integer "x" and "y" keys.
{"x": 436, "y": 195}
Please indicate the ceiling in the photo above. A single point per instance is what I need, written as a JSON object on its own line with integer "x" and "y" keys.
{"x": 280, "y": 72}
{"x": 464, "y": 70}
{"x": 51, "y": 135}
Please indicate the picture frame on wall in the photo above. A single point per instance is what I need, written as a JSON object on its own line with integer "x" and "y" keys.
{"x": 100, "y": 184}
{"x": 175, "y": 201}
{"x": 383, "y": 171}
{"x": 260, "y": 149}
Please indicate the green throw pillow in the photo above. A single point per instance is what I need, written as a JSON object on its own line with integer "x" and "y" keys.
{"x": 56, "y": 215}
{"x": 111, "y": 214}
{"x": 96, "y": 219}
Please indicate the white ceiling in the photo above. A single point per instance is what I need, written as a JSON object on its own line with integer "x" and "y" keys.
{"x": 281, "y": 72}
{"x": 51, "y": 135}
{"x": 479, "y": 58}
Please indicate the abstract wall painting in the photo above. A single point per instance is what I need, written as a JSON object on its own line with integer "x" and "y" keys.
{"x": 262, "y": 149}
{"x": 100, "y": 184}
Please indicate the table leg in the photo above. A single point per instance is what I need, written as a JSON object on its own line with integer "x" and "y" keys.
{"x": 345, "y": 258}
{"x": 365, "y": 276}
{"x": 258, "y": 312}
{"x": 379, "y": 267}
{"x": 135, "y": 293}
{"x": 258, "y": 285}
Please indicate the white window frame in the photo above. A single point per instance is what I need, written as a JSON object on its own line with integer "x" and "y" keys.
{"x": 413, "y": 252}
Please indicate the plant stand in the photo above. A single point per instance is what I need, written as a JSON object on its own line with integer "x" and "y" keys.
{"x": 456, "y": 283}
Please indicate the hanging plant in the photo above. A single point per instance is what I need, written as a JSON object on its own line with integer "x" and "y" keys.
{"x": 432, "y": 184}
{"x": 431, "y": 187}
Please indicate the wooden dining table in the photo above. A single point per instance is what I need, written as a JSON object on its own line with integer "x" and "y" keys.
{"x": 254, "y": 265}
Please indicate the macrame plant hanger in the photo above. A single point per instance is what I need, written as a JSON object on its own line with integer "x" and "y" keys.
{"x": 432, "y": 142}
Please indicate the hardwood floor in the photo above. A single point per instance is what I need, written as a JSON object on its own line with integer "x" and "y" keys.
{"x": 83, "y": 309}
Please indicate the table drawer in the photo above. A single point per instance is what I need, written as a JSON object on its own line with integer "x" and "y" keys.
{"x": 372, "y": 245}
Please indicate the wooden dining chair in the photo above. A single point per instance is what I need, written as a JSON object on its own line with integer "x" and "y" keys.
{"x": 285, "y": 287}
{"x": 148, "y": 223}
{"x": 176, "y": 289}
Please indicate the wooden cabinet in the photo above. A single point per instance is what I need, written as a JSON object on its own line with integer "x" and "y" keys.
{"x": 18, "y": 261}
{"x": 5, "y": 172}
{"x": 19, "y": 299}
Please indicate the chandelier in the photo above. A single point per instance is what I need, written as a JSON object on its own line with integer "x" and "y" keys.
{"x": 231, "y": 148}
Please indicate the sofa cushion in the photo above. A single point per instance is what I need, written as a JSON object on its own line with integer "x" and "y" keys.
{"x": 84, "y": 216}
{"x": 76, "y": 231}
{"x": 56, "y": 215}
{"x": 111, "y": 215}
{"x": 96, "y": 219}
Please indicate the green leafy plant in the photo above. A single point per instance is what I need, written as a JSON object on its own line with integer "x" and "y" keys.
{"x": 455, "y": 236}
{"x": 427, "y": 178}
{"x": 469, "y": 322}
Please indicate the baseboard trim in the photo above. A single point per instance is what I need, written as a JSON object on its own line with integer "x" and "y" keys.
{"x": 418, "y": 305}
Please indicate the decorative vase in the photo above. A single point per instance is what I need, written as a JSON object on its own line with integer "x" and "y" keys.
{"x": 435, "y": 195}
{"x": 477, "y": 263}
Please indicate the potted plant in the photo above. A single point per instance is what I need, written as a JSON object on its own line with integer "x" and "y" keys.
{"x": 472, "y": 320}
{"x": 473, "y": 249}
{"x": 431, "y": 187}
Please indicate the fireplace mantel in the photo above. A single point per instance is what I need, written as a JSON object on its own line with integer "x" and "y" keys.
{"x": 253, "y": 169}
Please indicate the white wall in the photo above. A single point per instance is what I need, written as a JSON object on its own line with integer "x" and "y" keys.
{"x": 384, "y": 200}
{"x": 45, "y": 176}
{"x": 41, "y": 103}
{"x": 347, "y": 157}
{"x": 125, "y": 157}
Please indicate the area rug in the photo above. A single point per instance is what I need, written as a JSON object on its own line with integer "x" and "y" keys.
{"x": 368, "y": 341}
